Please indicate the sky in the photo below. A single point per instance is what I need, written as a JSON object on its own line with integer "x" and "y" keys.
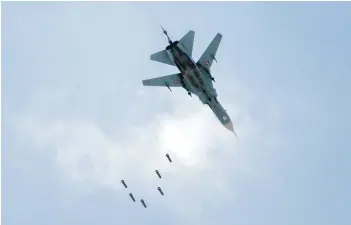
{"x": 76, "y": 119}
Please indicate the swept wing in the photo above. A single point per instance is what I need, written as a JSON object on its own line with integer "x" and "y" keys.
{"x": 172, "y": 80}
{"x": 210, "y": 53}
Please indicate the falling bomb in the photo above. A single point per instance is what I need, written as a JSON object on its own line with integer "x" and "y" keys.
{"x": 169, "y": 158}
{"x": 132, "y": 197}
{"x": 124, "y": 184}
{"x": 158, "y": 174}
{"x": 143, "y": 202}
{"x": 160, "y": 190}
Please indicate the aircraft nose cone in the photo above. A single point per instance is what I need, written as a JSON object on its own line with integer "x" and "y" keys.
{"x": 229, "y": 126}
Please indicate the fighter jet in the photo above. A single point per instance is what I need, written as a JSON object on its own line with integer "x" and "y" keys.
{"x": 194, "y": 77}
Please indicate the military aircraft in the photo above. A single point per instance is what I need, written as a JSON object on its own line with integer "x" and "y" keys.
{"x": 194, "y": 77}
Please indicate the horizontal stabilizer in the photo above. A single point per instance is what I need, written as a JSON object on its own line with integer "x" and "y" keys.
{"x": 210, "y": 53}
{"x": 188, "y": 41}
{"x": 162, "y": 57}
{"x": 169, "y": 80}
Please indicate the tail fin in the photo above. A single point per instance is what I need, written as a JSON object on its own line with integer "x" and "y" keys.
{"x": 188, "y": 41}
{"x": 162, "y": 57}
{"x": 210, "y": 53}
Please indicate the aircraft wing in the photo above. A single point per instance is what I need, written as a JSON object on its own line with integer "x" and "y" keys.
{"x": 208, "y": 56}
{"x": 172, "y": 80}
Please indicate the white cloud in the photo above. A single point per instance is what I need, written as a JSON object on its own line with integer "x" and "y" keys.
{"x": 205, "y": 154}
{"x": 189, "y": 135}
{"x": 207, "y": 158}
{"x": 84, "y": 153}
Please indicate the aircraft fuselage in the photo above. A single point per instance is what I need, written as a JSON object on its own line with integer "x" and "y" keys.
{"x": 195, "y": 77}
{"x": 198, "y": 79}
{"x": 192, "y": 75}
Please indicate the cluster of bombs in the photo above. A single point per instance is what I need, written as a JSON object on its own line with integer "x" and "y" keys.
{"x": 158, "y": 188}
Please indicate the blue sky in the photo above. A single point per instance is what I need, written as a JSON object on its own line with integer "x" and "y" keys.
{"x": 76, "y": 119}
